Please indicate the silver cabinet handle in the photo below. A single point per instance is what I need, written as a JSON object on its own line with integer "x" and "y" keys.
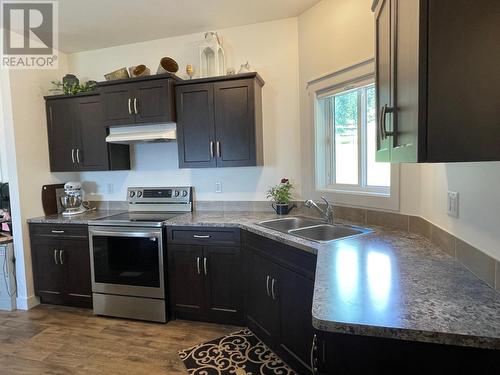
{"x": 199, "y": 236}
{"x": 383, "y": 128}
{"x": 129, "y": 106}
{"x": 55, "y": 257}
{"x": 198, "y": 265}
{"x": 212, "y": 149}
{"x": 205, "y": 266}
{"x": 73, "y": 155}
{"x": 272, "y": 289}
{"x": 267, "y": 286}
{"x": 61, "y": 259}
{"x": 218, "y": 149}
{"x": 135, "y": 106}
{"x": 57, "y": 231}
{"x": 313, "y": 352}
{"x": 78, "y": 155}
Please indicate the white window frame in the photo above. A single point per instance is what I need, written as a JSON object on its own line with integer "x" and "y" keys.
{"x": 381, "y": 198}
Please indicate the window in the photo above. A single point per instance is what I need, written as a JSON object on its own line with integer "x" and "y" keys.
{"x": 346, "y": 141}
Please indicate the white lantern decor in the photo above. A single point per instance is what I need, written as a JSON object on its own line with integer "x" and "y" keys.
{"x": 212, "y": 58}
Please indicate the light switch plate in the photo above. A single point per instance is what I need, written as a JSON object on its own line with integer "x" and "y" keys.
{"x": 218, "y": 187}
{"x": 452, "y": 204}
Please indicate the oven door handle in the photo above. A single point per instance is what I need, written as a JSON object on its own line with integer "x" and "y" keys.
{"x": 125, "y": 234}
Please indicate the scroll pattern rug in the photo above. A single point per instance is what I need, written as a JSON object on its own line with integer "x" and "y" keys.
{"x": 240, "y": 353}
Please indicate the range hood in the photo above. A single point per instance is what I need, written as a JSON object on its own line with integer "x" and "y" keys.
{"x": 142, "y": 133}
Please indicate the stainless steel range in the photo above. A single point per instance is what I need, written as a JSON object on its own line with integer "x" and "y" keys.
{"x": 127, "y": 254}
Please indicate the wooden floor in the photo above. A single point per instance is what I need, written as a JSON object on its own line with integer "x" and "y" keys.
{"x": 61, "y": 340}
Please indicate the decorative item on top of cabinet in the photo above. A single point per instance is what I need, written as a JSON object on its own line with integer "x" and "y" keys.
{"x": 436, "y": 100}
{"x": 139, "y": 70}
{"x": 212, "y": 57}
{"x": 219, "y": 121}
{"x": 190, "y": 71}
{"x": 245, "y": 68}
{"x": 117, "y": 74}
{"x": 167, "y": 65}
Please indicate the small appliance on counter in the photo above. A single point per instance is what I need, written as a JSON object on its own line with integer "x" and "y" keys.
{"x": 127, "y": 256}
{"x": 72, "y": 200}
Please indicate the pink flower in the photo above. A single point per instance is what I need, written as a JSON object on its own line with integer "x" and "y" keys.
{"x": 284, "y": 180}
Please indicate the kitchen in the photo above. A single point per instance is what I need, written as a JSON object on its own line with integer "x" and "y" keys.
{"x": 346, "y": 100}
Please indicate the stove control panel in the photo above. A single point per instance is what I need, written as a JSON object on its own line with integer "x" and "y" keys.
{"x": 160, "y": 195}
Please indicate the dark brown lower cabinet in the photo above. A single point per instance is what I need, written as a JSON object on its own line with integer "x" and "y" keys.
{"x": 279, "y": 296}
{"x": 337, "y": 353}
{"x": 61, "y": 264}
{"x": 206, "y": 281}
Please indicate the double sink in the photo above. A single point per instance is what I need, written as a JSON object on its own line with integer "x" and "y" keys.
{"x": 313, "y": 229}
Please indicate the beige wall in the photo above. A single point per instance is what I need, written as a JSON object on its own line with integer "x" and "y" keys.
{"x": 272, "y": 49}
{"x": 25, "y": 129}
{"x": 338, "y": 33}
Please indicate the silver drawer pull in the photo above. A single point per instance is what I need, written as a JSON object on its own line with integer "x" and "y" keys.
{"x": 198, "y": 265}
{"x": 201, "y": 236}
{"x": 55, "y": 257}
{"x": 205, "y": 265}
{"x": 57, "y": 231}
{"x": 267, "y": 286}
{"x": 272, "y": 289}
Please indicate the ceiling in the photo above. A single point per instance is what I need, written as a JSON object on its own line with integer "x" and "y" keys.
{"x": 92, "y": 24}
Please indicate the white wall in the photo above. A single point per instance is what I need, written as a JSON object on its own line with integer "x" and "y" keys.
{"x": 338, "y": 33}
{"x": 25, "y": 129}
{"x": 272, "y": 49}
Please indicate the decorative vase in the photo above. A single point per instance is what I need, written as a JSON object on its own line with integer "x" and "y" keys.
{"x": 283, "y": 209}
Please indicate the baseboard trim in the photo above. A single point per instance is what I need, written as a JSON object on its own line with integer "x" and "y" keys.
{"x": 26, "y": 303}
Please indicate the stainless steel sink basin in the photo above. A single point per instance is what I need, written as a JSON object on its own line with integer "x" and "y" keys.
{"x": 313, "y": 229}
{"x": 327, "y": 232}
{"x": 288, "y": 223}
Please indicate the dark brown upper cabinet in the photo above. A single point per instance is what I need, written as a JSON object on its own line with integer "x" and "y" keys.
{"x": 77, "y": 136}
{"x": 145, "y": 100}
{"x": 219, "y": 121}
{"x": 437, "y": 80}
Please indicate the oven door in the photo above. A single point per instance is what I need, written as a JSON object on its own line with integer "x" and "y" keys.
{"x": 127, "y": 261}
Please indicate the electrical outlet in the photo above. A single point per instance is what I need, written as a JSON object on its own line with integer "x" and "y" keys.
{"x": 452, "y": 204}
{"x": 218, "y": 187}
{"x": 110, "y": 188}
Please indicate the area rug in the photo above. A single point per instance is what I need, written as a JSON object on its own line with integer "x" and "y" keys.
{"x": 240, "y": 353}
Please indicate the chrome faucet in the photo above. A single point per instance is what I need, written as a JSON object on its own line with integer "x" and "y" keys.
{"x": 327, "y": 213}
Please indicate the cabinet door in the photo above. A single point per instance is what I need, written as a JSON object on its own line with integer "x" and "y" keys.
{"x": 223, "y": 283}
{"x": 195, "y": 126}
{"x": 262, "y": 310}
{"x": 185, "y": 264}
{"x": 295, "y": 295}
{"x": 407, "y": 68}
{"x": 92, "y": 152}
{"x": 153, "y": 101}
{"x": 75, "y": 257}
{"x": 49, "y": 272}
{"x": 235, "y": 123}
{"x": 118, "y": 103}
{"x": 60, "y": 127}
{"x": 384, "y": 78}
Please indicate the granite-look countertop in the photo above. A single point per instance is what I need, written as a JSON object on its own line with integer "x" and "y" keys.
{"x": 386, "y": 283}
{"x": 78, "y": 219}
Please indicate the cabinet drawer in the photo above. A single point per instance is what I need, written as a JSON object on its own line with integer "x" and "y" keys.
{"x": 204, "y": 235}
{"x": 59, "y": 230}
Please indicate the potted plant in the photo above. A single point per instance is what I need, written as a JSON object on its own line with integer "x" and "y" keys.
{"x": 281, "y": 195}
